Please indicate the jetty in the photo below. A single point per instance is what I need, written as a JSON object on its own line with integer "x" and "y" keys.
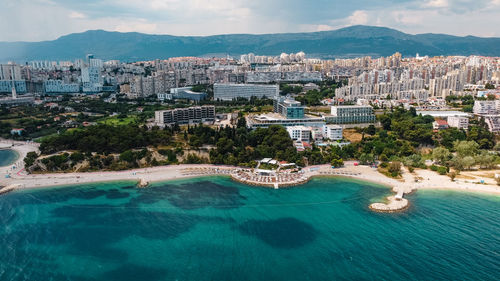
{"x": 395, "y": 203}
{"x": 9, "y": 188}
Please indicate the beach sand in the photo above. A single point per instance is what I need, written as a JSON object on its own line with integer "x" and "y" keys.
{"x": 426, "y": 179}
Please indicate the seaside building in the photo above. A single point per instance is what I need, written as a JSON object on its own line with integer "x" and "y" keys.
{"x": 269, "y": 119}
{"x": 300, "y": 133}
{"x": 190, "y": 115}
{"x": 484, "y": 107}
{"x": 443, "y": 114}
{"x": 350, "y": 114}
{"x": 288, "y": 107}
{"x": 229, "y": 92}
{"x": 458, "y": 122}
{"x": 440, "y": 124}
{"x": 493, "y": 122}
{"x": 333, "y": 132}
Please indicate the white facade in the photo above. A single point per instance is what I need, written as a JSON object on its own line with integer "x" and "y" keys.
{"x": 229, "y": 92}
{"x": 300, "y": 133}
{"x": 57, "y": 86}
{"x": 333, "y": 132}
{"x": 164, "y": 96}
{"x": 485, "y": 107}
{"x": 91, "y": 79}
{"x": 458, "y": 122}
{"x": 10, "y": 72}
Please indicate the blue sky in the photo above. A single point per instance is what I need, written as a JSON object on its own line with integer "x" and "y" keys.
{"x": 36, "y": 20}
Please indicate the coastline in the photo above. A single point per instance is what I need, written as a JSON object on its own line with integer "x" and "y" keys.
{"x": 410, "y": 182}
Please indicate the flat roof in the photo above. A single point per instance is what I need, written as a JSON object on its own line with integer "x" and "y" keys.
{"x": 443, "y": 113}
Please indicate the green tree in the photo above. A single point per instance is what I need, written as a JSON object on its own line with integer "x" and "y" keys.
{"x": 394, "y": 168}
{"x": 30, "y": 158}
{"x": 128, "y": 156}
{"x": 366, "y": 159}
{"x": 441, "y": 155}
{"x": 485, "y": 160}
{"x": 465, "y": 148}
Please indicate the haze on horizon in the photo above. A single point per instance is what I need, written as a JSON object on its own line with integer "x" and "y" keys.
{"x": 38, "y": 20}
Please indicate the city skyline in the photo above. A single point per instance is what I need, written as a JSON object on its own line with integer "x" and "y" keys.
{"x": 50, "y": 19}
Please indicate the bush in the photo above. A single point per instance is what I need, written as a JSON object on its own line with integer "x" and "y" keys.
{"x": 434, "y": 168}
{"x": 384, "y": 165}
{"x": 442, "y": 170}
{"x": 395, "y": 168}
{"x": 452, "y": 175}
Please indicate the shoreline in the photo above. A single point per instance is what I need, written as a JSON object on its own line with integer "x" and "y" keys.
{"x": 410, "y": 182}
{"x": 174, "y": 172}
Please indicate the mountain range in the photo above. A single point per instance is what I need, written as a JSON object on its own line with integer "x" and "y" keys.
{"x": 353, "y": 41}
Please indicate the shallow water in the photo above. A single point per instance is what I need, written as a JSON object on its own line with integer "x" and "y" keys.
{"x": 7, "y": 157}
{"x": 216, "y": 229}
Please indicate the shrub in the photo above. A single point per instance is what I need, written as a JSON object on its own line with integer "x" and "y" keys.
{"x": 442, "y": 170}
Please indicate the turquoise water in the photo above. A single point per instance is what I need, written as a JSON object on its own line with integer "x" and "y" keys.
{"x": 7, "y": 157}
{"x": 215, "y": 229}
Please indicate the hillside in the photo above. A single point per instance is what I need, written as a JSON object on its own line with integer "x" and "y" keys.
{"x": 351, "y": 41}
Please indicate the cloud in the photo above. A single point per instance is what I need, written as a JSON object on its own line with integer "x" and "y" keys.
{"x": 358, "y": 17}
{"x": 49, "y": 19}
{"x": 77, "y": 15}
{"x": 436, "y": 4}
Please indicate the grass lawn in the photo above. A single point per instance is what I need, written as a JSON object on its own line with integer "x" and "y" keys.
{"x": 114, "y": 121}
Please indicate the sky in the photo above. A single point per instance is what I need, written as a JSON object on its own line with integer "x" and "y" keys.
{"x": 38, "y": 20}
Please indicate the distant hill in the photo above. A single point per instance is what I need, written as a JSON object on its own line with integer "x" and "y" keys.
{"x": 351, "y": 41}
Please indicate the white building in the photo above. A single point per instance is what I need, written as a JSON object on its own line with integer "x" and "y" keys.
{"x": 190, "y": 115}
{"x": 300, "y": 133}
{"x": 91, "y": 79}
{"x": 483, "y": 107}
{"x": 57, "y": 86}
{"x": 164, "y": 96}
{"x": 10, "y": 72}
{"x": 333, "y": 132}
{"x": 458, "y": 122}
{"x": 229, "y": 92}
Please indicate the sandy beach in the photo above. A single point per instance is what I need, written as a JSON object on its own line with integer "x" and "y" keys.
{"x": 420, "y": 179}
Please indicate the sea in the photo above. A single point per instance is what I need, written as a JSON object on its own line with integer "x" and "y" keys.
{"x": 7, "y": 157}
{"x": 212, "y": 228}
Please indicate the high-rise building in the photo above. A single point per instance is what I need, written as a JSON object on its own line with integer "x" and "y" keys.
{"x": 91, "y": 80}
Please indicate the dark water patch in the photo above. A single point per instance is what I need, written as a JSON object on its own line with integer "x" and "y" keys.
{"x": 135, "y": 272}
{"x": 89, "y": 193}
{"x": 116, "y": 194}
{"x": 94, "y": 229}
{"x": 8, "y": 157}
{"x": 284, "y": 233}
{"x": 192, "y": 196}
{"x": 128, "y": 187}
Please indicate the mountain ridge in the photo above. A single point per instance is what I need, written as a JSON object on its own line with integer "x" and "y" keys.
{"x": 353, "y": 41}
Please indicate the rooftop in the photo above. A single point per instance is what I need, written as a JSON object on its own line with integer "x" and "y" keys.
{"x": 443, "y": 113}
